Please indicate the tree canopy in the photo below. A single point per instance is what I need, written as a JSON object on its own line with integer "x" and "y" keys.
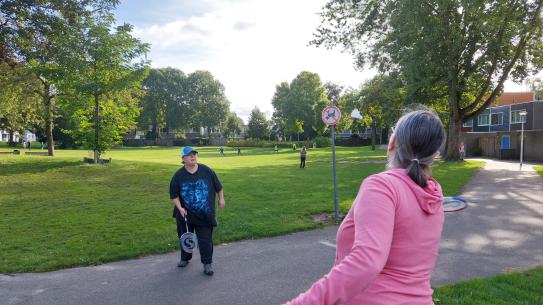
{"x": 259, "y": 127}
{"x": 233, "y": 125}
{"x": 298, "y": 105}
{"x": 462, "y": 51}
{"x": 206, "y": 95}
{"x": 44, "y": 36}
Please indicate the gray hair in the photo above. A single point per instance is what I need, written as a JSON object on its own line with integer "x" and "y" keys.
{"x": 419, "y": 136}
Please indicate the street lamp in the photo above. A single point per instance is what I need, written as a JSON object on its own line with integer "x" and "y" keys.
{"x": 523, "y": 114}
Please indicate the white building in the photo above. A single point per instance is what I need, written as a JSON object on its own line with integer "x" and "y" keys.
{"x": 28, "y": 136}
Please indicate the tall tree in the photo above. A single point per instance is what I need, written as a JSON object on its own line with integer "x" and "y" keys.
{"x": 308, "y": 98}
{"x": 233, "y": 125}
{"x": 280, "y": 102}
{"x": 259, "y": 127}
{"x": 206, "y": 95}
{"x": 536, "y": 85}
{"x": 462, "y": 50}
{"x": 164, "y": 103}
{"x": 113, "y": 68}
{"x": 20, "y": 107}
{"x": 298, "y": 105}
{"x": 44, "y": 36}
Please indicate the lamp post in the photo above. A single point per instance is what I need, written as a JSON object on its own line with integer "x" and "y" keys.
{"x": 522, "y": 121}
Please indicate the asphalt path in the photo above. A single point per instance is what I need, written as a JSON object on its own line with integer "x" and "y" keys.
{"x": 501, "y": 230}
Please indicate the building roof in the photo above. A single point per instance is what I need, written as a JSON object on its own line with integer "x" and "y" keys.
{"x": 511, "y": 98}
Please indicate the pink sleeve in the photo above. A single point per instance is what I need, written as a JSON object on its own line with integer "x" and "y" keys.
{"x": 374, "y": 211}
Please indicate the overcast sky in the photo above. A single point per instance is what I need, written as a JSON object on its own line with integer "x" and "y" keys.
{"x": 250, "y": 46}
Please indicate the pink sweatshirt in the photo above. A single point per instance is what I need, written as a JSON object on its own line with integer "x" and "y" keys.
{"x": 387, "y": 245}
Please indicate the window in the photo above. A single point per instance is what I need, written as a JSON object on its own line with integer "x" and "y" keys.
{"x": 468, "y": 123}
{"x": 483, "y": 120}
{"x": 497, "y": 118}
{"x": 516, "y": 117}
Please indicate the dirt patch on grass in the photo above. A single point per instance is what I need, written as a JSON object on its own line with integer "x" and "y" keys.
{"x": 326, "y": 218}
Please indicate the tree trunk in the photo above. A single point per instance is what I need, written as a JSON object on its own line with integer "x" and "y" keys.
{"x": 373, "y": 136}
{"x": 453, "y": 139}
{"x": 96, "y": 128}
{"x": 47, "y": 100}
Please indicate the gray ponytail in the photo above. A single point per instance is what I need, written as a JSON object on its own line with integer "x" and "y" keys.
{"x": 419, "y": 136}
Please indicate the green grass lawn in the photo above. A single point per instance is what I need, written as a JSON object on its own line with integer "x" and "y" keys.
{"x": 539, "y": 169}
{"x": 523, "y": 288}
{"x": 58, "y": 212}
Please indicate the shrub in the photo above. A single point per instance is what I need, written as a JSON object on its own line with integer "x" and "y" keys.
{"x": 323, "y": 142}
{"x": 261, "y": 143}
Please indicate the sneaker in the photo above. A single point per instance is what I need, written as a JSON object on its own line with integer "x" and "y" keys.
{"x": 208, "y": 269}
{"x": 182, "y": 263}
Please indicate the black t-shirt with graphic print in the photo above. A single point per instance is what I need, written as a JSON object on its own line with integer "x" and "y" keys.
{"x": 197, "y": 194}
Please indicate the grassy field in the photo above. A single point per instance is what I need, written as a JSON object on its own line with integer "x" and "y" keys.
{"x": 523, "y": 288}
{"x": 539, "y": 169}
{"x": 58, "y": 212}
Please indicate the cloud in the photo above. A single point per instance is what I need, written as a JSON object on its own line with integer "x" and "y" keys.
{"x": 250, "y": 46}
{"x": 241, "y": 25}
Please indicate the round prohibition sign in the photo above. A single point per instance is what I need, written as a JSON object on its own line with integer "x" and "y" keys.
{"x": 331, "y": 115}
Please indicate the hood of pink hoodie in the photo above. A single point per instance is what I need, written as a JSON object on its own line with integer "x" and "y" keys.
{"x": 430, "y": 198}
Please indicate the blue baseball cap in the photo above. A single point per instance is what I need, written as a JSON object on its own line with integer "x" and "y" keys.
{"x": 187, "y": 150}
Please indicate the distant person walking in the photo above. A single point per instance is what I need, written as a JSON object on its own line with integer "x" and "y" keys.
{"x": 239, "y": 151}
{"x": 388, "y": 243}
{"x": 221, "y": 150}
{"x": 193, "y": 189}
{"x": 462, "y": 151}
{"x": 303, "y": 155}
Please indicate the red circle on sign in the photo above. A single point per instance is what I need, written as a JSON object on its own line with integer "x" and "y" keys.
{"x": 331, "y": 115}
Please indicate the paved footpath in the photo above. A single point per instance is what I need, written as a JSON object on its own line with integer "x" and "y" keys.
{"x": 502, "y": 229}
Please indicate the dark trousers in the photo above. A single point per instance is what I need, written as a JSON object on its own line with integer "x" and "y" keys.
{"x": 205, "y": 240}
{"x": 302, "y": 162}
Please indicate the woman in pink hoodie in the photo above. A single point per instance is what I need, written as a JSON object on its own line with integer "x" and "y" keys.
{"x": 388, "y": 243}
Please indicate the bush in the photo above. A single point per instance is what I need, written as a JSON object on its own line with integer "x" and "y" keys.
{"x": 260, "y": 143}
{"x": 476, "y": 152}
{"x": 198, "y": 141}
{"x": 323, "y": 142}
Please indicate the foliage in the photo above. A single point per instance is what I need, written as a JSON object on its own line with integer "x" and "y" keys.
{"x": 298, "y": 106}
{"x": 264, "y": 143}
{"x": 43, "y": 36}
{"x": 258, "y": 126}
{"x": 233, "y": 125}
{"x": 111, "y": 72}
{"x": 164, "y": 102}
{"x": 323, "y": 142}
{"x": 206, "y": 95}
{"x": 117, "y": 116}
{"x": 461, "y": 51}
{"x": 536, "y": 85}
{"x": 20, "y": 107}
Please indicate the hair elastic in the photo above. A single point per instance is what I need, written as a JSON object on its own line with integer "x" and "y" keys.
{"x": 415, "y": 160}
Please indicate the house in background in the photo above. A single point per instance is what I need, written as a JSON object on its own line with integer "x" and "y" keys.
{"x": 28, "y": 136}
{"x": 496, "y": 131}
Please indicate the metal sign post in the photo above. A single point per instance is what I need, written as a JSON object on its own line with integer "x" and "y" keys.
{"x": 330, "y": 116}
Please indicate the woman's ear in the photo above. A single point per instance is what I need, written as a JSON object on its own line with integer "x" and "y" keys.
{"x": 392, "y": 142}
